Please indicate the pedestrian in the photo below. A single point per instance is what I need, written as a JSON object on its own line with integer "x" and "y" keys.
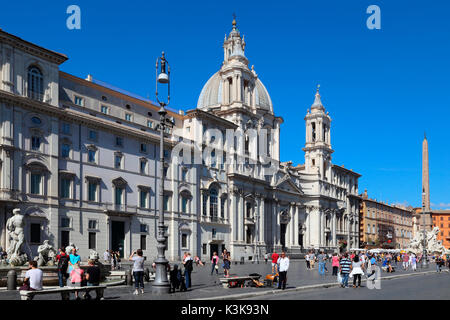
{"x": 308, "y": 267}
{"x": 106, "y": 256}
{"x": 344, "y": 268}
{"x": 413, "y": 262}
{"x": 266, "y": 258}
{"x": 93, "y": 276}
{"x": 175, "y": 277}
{"x": 438, "y": 263}
{"x": 335, "y": 264}
{"x": 405, "y": 261}
{"x": 138, "y": 270}
{"x": 33, "y": 278}
{"x": 283, "y": 263}
{"x": 74, "y": 259}
{"x": 119, "y": 265}
{"x": 357, "y": 271}
{"x": 113, "y": 258}
{"x": 321, "y": 258}
{"x": 312, "y": 259}
{"x": 198, "y": 261}
{"x": 226, "y": 263}
{"x": 275, "y": 258}
{"x": 63, "y": 263}
{"x": 76, "y": 278}
{"x": 215, "y": 263}
{"x": 188, "y": 270}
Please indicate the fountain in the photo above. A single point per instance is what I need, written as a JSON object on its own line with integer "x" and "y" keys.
{"x": 432, "y": 245}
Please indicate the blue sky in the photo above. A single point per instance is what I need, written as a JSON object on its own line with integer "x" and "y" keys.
{"x": 383, "y": 88}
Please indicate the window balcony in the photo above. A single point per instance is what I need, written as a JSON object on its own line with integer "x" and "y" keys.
{"x": 35, "y": 95}
{"x": 120, "y": 208}
{"x": 213, "y": 219}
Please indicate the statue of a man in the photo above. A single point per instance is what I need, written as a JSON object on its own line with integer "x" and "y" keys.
{"x": 46, "y": 251}
{"x": 15, "y": 226}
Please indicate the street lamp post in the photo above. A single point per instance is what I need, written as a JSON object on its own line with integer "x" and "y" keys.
{"x": 424, "y": 243}
{"x": 256, "y": 251}
{"x": 161, "y": 284}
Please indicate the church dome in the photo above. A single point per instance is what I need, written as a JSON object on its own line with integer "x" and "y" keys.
{"x": 211, "y": 94}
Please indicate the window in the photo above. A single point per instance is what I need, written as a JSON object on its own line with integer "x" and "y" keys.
{"x": 104, "y": 109}
{"x": 65, "y": 222}
{"x": 222, "y": 207}
{"x": 91, "y": 155}
{"x": 213, "y": 233}
{"x": 143, "y": 228}
{"x": 92, "y": 191}
{"x": 65, "y": 128}
{"x": 118, "y": 195}
{"x": 35, "y": 233}
{"x": 184, "y": 240}
{"x": 117, "y": 161}
{"x": 166, "y": 153}
{"x": 37, "y": 121}
{"x": 119, "y": 141}
{"x": 92, "y": 135}
{"x": 35, "y": 143}
{"x": 143, "y": 199}
{"x": 65, "y": 238}
{"x": 213, "y": 203}
{"x": 143, "y": 165}
{"x": 205, "y": 204}
{"x": 36, "y": 179}
{"x": 65, "y": 188}
{"x": 143, "y": 148}
{"x": 143, "y": 242}
{"x": 165, "y": 171}
{"x": 92, "y": 238}
{"x": 166, "y": 203}
{"x": 150, "y": 124}
{"x": 204, "y": 248}
{"x": 79, "y": 101}
{"x": 35, "y": 84}
{"x": 313, "y": 126}
{"x": 183, "y": 174}
{"x": 128, "y": 116}
{"x": 92, "y": 224}
{"x": 184, "y": 202}
{"x": 65, "y": 150}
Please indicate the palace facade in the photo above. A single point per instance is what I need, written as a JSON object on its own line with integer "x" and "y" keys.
{"x": 80, "y": 159}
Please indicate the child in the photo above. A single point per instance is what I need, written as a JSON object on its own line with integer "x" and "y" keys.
{"x": 174, "y": 279}
{"x": 76, "y": 277}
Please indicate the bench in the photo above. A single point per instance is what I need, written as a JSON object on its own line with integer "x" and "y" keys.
{"x": 240, "y": 280}
{"x": 65, "y": 292}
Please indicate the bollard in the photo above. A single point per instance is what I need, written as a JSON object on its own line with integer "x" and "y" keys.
{"x": 11, "y": 280}
{"x": 128, "y": 279}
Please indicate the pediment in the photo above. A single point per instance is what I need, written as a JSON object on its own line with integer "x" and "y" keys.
{"x": 286, "y": 184}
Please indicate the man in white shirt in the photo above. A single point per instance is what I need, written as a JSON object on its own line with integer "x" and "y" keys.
{"x": 283, "y": 262}
{"x": 34, "y": 276}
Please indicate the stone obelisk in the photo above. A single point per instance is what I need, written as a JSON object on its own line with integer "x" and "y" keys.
{"x": 426, "y": 186}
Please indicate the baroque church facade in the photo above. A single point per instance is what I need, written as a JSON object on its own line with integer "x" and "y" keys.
{"x": 80, "y": 159}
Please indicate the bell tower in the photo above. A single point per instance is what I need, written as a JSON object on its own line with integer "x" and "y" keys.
{"x": 318, "y": 140}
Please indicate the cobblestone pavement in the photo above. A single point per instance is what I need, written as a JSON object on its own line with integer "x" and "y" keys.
{"x": 419, "y": 287}
{"x": 205, "y": 285}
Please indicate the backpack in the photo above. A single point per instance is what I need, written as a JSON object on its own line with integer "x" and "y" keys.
{"x": 63, "y": 262}
{"x": 188, "y": 265}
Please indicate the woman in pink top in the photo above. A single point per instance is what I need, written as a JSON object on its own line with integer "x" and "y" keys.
{"x": 335, "y": 264}
{"x": 215, "y": 263}
{"x": 76, "y": 277}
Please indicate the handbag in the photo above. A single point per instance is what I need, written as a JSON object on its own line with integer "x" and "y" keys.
{"x": 339, "y": 278}
{"x": 216, "y": 267}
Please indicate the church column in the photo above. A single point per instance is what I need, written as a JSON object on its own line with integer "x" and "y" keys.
{"x": 262, "y": 237}
{"x": 239, "y": 88}
{"x": 334, "y": 243}
{"x": 233, "y": 215}
{"x": 241, "y": 217}
{"x": 296, "y": 220}
{"x": 308, "y": 228}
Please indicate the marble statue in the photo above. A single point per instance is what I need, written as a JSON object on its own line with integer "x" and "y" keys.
{"x": 15, "y": 228}
{"x": 432, "y": 245}
{"x": 93, "y": 255}
{"x": 70, "y": 247}
{"x": 47, "y": 254}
